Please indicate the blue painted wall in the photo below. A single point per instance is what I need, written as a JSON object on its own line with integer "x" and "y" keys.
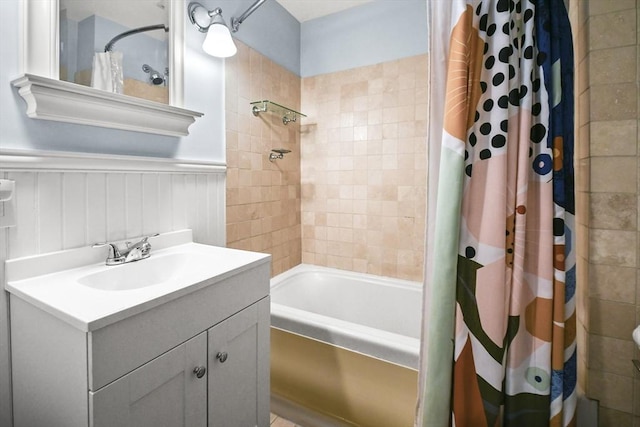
{"x": 86, "y": 43}
{"x": 95, "y": 32}
{"x": 270, "y": 30}
{"x": 380, "y": 31}
{"x": 69, "y": 44}
{"x": 204, "y": 92}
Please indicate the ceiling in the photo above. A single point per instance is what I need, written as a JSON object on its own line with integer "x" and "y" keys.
{"x": 304, "y": 10}
{"x": 149, "y": 12}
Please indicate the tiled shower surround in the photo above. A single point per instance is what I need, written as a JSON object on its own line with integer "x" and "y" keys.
{"x": 364, "y": 168}
{"x": 351, "y": 194}
{"x": 263, "y": 197}
{"x": 608, "y": 183}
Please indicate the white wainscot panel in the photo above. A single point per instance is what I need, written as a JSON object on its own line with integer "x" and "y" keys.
{"x": 74, "y": 209}
{"x": 64, "y": 210}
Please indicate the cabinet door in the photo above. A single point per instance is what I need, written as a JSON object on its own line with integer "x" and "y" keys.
{"x": 239, "y": 369}
{"x": 164, "y": 392}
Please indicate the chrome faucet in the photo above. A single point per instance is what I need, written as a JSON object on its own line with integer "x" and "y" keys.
{"x": 132, "y": 252}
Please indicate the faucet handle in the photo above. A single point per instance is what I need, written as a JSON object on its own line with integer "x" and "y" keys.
{"x": 145, "y": 238}
{"x": 113, "y": 249}
{"x": 144, "y": 245}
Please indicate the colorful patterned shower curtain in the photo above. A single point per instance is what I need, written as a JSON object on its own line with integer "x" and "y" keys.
{"x": 501, "y": 347}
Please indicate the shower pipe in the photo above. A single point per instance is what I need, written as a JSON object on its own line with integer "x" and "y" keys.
{"x": 109, "y": 46}
{"x": 235, "y": 22}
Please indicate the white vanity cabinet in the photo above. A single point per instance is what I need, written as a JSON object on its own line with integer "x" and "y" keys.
{"x": 228, "y": 363}
{"x": 163, "y": 392}
{"x": 198, "y": 357}
{"x": 238, "y": 356}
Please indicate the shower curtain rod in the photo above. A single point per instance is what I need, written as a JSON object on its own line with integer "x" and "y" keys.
{"x": 109, "y": 46}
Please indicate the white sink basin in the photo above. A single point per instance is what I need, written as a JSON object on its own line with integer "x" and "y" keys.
{"x": 140, "y": 274}
{"x": 76, "y": 286}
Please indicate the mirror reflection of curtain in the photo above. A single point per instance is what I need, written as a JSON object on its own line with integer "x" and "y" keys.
{"x": 107, "y": 72}
{"x": 86, "y": 27}
{"x": 501, "y": 327}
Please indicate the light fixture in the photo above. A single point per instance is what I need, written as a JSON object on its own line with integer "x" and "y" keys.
{"x": 218, "y": 41}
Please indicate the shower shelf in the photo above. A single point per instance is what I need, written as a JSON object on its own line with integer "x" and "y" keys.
{"x": 288, "y": 115}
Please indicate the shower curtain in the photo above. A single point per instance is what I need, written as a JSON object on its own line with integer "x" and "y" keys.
{"x": 107, "y": 71}
{"x": 499, "y": 321}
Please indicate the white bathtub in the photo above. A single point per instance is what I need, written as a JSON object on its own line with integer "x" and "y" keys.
{"x": 372, "y": 315}
{"x": 344, "y": 348}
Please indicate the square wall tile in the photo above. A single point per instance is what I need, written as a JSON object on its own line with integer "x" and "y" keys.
{"x": 611, "y": 418}
{"x": 613, "y": 211}
{"x": 613, "y": 101}
{"x": 599, "y": 7}
{"x": 613, "y": 247}
{"x": 614, "y": 174}
{"x": 614, "y": 65}
{"x": 612, "y": 319}
{"x": 610, "y": 30}
{"x": 612, "y": 283}
{"x": 611, "y": 355}
{"x": 613, "y": 391}
{"x": 614, "y": 138}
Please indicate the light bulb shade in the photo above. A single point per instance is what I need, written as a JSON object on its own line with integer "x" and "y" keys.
{"x": 219, "y": 42}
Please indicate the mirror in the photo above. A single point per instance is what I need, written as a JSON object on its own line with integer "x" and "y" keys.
{"x": 48, "y": 97}
{"x": 120, "y": 46}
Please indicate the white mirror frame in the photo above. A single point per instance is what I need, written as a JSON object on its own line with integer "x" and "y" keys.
{"x": 49, "y": 98}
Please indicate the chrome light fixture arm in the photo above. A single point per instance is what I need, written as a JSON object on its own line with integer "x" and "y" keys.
{"x": 235, "y": 22}
{"x": 195, "y": 8}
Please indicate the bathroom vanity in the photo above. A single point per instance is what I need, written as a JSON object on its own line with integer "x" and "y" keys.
{"x": 178, "y": 339}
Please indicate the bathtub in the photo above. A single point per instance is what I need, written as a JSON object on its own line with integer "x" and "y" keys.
{"x": 344, "y": 347}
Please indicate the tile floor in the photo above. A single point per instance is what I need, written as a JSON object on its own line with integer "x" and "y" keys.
{"x": 276, "y": 421}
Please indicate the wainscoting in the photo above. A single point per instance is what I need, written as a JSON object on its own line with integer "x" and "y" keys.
{"x": 68, "y": 201}
{"x": 63, "y": 210}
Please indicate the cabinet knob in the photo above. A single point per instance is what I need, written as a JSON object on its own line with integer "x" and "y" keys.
{"x": 222, "y": 357}
{"x": 199, "y": 371}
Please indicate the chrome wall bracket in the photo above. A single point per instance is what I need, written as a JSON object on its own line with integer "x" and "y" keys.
{"x": 288, "y": 115}
{"x": 278, "y": 153}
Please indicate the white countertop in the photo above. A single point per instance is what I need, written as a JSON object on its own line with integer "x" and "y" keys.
{"x": 51, "y": 281}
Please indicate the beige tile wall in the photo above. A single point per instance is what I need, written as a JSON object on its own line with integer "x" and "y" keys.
{"x": 364, "y": 168}
{"x": 263, "y": 197}
{"x": 606, "y": 38}
{"x": 358, "y": 163}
